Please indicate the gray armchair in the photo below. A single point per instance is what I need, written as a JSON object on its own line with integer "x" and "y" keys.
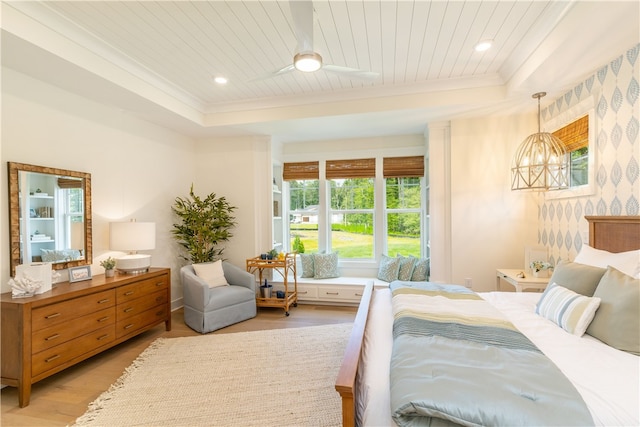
{"x": 208, "y": 309}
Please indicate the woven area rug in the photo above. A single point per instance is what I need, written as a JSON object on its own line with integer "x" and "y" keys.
{"x": 280, "y": 377}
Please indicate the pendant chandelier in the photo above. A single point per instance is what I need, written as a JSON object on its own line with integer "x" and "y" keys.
{"x": 541, "y": 162}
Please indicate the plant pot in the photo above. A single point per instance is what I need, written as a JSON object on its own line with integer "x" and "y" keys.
{"x": 110, "y": 273}
{"x": 541, "y": 273}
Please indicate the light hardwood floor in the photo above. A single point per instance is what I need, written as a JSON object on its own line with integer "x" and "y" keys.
{"x": 61, "y": 398}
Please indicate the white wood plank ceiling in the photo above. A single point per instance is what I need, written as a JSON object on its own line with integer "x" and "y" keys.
{"x": 406, "y": 42}
{"x": 416, "y": 47}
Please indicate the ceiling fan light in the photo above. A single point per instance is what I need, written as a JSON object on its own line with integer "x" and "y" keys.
{"x": 307, "y": 62}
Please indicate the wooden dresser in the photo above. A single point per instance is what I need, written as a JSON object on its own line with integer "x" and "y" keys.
{"x": 49, "y": 332}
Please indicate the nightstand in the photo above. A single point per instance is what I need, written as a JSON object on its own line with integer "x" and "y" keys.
{"x": 511, "y": 276}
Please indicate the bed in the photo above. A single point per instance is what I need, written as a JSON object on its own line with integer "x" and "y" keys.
{"x": 607, "y": 379}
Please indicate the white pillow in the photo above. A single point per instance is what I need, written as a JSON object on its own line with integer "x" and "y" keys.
{"x": 211, "y": 273}
{"x": 571, "y": 311}
{"x": 627, "y": 262}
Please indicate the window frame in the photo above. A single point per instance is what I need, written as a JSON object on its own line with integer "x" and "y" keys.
{"x": 572, "y": 114}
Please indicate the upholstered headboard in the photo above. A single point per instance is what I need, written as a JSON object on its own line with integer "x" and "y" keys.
{"x": 614, "y": 233}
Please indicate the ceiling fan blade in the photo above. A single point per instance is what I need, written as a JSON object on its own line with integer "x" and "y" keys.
{"x": 281, "y": 71}
{"x": 352, "y": 73}
{"x": 302, "y": 14}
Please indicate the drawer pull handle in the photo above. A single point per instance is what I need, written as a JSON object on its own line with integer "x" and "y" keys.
{"x": 52, "y": 337}
{"x": 159, "y": 313}
{"x": 51, "y": 316}
{"x": 102, "y": 301}
{"x": 102, "y": 337}
{"x": 159, "y": 299}
{"x": 332, "y": 293}
{"x": 303, "y": 293}
{"x": 358, "y": 295}
{"x": 103, "y": 319}
{"x": 160, "y": 284}
{"x": 52, "y": 358}
{"x": 128, "y": 309}
{"x": 129, "y": 326}
{"x": 126, "y": 294}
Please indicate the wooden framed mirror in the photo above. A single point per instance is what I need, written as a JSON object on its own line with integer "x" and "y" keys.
{"x": 49, "y": 216}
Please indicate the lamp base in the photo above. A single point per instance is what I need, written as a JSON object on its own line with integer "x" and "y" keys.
{"x": 133, "y": 263}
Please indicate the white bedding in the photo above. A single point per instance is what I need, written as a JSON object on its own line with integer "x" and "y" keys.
{"x": 607, "y": 379}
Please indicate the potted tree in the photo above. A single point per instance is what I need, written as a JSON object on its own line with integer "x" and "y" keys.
{"x": 205, "y": 223}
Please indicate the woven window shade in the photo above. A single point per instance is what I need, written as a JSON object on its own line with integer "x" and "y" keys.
{"x": 354, "y": 168}
{"x": 403, "y": 167}
{"x": 575, "y": 135}
{"x": 300, "y": 171}
{"x": 69, "y": 183}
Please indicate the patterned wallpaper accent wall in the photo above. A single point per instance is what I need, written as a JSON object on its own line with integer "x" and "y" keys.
{"x": 615, "y": 90}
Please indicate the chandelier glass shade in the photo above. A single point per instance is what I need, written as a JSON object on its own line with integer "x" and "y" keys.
{"x": 541, "y": 161}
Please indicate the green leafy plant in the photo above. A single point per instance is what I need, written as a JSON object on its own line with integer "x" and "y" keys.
{"x": 108, "y": 264}
{"x": 298, "y": 246}
{"x": 205, "y": 225}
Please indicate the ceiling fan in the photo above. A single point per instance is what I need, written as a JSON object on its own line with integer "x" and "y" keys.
{"x": 306, "y": 59}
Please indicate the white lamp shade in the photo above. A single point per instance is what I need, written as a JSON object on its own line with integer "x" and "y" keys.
{"x": 132, "y": 236}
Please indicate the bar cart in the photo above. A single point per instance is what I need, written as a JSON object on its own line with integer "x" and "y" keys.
{"x": 282, "y": 266}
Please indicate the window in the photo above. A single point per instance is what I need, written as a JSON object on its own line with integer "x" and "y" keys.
{"x": 347, "y": 218}
{"x": 575, "y": 137}
{"x": 303, "y": 213}
{"x": 304, "y": 200}
{"x": 403, "y": 190}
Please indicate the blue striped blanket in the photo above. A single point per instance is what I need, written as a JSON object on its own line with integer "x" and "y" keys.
{"x": 457, "y": 360}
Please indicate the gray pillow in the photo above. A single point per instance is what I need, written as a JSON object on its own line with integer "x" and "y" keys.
{"x": 420, "y": 270}
{"x": 307, "y": 265}
{"x": 580, "y": 278}
{"x": 325, "y": 266}
{"x": 617, "y": 321}
{"x": 388, "y": 269}
{"x": 406, "y": 267}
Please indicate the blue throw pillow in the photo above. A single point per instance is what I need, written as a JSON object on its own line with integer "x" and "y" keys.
{"x": 388, "y": 269}
{"x": 307, "y": 265}
{"x": 420, "y": 270}
{"x": 325, "y": 266}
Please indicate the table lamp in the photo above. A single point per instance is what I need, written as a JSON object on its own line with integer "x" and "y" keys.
{"x": 132, "y": 237}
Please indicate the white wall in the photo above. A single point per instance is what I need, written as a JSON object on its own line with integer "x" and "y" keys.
{"x": 240, "y": 170}
{"x": 137, "y": 168}
{"x": 490, "y": 224}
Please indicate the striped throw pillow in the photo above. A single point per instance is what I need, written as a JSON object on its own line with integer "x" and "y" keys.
{"x": 571, "y": 311}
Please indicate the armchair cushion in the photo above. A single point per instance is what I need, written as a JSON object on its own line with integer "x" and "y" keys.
{"x": 212, "y": 273}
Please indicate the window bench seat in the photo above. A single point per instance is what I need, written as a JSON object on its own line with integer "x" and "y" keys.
{"x": 344, "y": 290}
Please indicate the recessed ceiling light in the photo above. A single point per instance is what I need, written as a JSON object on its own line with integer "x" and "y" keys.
{"x": 483, "y": 45}
{"x": 220, "y": 80}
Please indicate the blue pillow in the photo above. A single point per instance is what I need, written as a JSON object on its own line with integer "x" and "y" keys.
{"x": 406, "y": 267}
{"x": 389, "y": 267}
{"x": 420, "y": 270}
{"x": 325, "y": 266}
{"x": 307, "y": 265}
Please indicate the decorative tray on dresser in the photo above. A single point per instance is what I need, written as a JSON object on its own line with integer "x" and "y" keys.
{"x": 52, "y": 331}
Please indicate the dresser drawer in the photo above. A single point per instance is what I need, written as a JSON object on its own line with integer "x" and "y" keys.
{"x": 134, "y": 307}
{"x": 343, "y": 293}
{"x": 58, "y": 334}
{"x": 134, "y": 323}
{"x": 53, "y": 357}
{"x": 66, "y": 311}
{"x": 141, "y": 288}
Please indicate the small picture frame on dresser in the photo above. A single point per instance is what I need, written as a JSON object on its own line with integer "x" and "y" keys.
{"x": 78, "y": 274}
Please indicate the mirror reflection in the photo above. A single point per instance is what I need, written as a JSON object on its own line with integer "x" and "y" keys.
{"x": 50, "y": 216}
